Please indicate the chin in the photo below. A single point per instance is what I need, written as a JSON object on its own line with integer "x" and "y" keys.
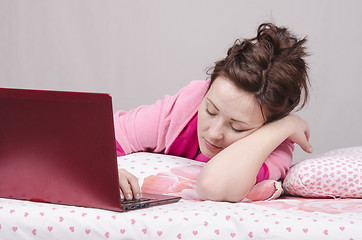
{"x": 207, "y": 153}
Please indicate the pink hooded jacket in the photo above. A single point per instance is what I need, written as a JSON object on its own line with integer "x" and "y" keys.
{"x": 154, "y": 128}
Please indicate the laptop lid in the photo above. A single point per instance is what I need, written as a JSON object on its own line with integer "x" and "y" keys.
{"x": 59, "y": 147}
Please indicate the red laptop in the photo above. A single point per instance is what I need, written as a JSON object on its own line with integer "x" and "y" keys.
{"x": 59, "y": 147}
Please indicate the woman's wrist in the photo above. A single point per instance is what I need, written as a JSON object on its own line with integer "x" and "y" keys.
{"x": 294, "y": 128}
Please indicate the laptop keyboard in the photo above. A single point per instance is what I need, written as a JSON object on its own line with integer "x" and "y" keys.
{"x": 134, "y": 200}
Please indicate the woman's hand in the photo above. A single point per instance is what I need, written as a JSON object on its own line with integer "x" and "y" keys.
{"x": 300, "y": 132}
{"x": 128, "y": 183}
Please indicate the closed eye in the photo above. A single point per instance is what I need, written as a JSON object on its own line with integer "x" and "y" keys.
{"x": 237, "y": 130}
{"x": 210, "y": 113}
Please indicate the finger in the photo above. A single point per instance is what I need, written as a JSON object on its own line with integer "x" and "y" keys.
{"x": 135, "y": 187}
{"x": 307, "y": 147}
{"x": 129, "y": 185}
{"x": 126, "y": 191}
{"x": 133, "y": 183}
{"x": 307, "y": 134}
{"x": 307, "y": 131}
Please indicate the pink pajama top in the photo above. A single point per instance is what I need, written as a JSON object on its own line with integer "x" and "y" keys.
{"x": 169, "y": 126}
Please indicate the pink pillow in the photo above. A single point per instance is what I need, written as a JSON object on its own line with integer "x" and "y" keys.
{"x": 166, "y": 174}
{"x": 337, "y": 173}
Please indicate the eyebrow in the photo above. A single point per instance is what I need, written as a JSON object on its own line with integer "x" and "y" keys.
{"x": 235, "y": 120}
{"x": 232, "y": 119}
{"x": 212, "y": 103}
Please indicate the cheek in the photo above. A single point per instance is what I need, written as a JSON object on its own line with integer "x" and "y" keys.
{"x": 199, "y": 125}
{"x": 202, "y": 122}
{"x": 234, "y": 137}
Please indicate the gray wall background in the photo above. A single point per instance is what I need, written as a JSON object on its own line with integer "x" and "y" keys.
{"x": 141, "y": 50}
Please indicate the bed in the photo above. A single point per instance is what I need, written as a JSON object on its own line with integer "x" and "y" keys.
{"x": 303, "y": 213}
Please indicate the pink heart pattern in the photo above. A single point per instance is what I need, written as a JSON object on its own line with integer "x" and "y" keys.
{"x": 334, "y": 174}
{"x": 285, "y": 218}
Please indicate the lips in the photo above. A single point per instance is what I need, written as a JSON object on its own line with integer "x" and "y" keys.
{"x": 211, "y": 146}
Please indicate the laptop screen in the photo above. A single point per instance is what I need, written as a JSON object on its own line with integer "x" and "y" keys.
{"x": 58, "y": 147}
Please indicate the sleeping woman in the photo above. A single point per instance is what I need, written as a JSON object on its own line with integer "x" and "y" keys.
{"x": 239, "y": 121}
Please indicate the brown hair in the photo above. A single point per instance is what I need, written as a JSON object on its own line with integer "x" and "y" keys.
{"x": 270, "y": 66}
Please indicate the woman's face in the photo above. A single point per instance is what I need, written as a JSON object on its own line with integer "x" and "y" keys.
{"x": 226, "y": 115}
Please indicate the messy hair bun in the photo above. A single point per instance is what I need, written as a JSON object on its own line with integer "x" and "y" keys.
{"x": 270, "y": 66}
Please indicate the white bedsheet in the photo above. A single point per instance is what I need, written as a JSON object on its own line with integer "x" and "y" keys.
{"x": 284, "y": 218}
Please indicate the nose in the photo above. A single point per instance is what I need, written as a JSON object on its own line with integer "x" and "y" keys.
{"x": 215, "y": 130}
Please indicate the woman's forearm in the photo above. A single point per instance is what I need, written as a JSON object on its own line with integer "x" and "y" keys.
{"x": 231, "y": 174}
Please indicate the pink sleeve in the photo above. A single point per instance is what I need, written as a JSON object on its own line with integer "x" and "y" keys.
{"x": 279, "y": 160}
{"x": 140, "y": 129}
{"x": 153, "y": 128}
